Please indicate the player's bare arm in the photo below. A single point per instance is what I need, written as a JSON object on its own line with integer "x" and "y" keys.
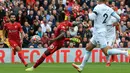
{"x": 58, "y": 37}
{"x": 119, "y": 27}
{"x": 22, "y": 36}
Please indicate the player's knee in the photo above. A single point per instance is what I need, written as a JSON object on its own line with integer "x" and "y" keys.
{"x": 18, "y": 48}
{"x": 89, "y": 47}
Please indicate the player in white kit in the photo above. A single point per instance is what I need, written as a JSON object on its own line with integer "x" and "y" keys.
{"x": 111, "y": 31}
{"x": 111, "y": 35}
{"x": 101, "y": 14}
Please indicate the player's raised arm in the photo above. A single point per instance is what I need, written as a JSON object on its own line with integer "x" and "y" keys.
{"x": 92, "y": 14}
{"x": 62, "y": 33}
{"x": 116, "y": 16}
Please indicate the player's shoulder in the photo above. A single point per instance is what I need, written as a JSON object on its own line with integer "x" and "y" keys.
{"x": 97, "y": 7}
{"x": 7, "y": 24}
{"x": 61, "y": 25}
{"x": 17, "y": 23}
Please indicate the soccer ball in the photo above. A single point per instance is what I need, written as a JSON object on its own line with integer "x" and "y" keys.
{"x": 35, "y": 38}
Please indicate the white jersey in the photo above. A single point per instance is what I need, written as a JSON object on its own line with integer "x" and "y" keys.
{"x": 111, "y": 31}
{"x": 102, "y": 15}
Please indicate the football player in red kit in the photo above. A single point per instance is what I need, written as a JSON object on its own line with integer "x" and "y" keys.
{"x": 14, "y": 30}
{"x": 56, "y": 43}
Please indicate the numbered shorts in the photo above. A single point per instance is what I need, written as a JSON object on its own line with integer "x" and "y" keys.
{"x": 110, "y": 40}
{"x": 55, "y": 46}
{"x": 14, "y": 44}
{"x": 99, "y": 39}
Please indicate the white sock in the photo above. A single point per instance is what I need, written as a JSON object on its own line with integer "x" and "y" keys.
{"x": 108, "y": 58}
{"x": 115, "y": 51}
{"x": 85, "y": 58}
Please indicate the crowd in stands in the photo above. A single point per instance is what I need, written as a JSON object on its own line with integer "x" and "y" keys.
{"x": 41, "y": 17}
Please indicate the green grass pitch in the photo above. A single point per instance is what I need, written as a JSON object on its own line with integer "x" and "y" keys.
{"x": 67, "y": 68}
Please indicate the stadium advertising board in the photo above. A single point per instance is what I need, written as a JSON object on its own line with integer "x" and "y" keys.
{"x": 61, "y": 56}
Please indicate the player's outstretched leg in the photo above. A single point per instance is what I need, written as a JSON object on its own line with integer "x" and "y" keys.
{"x": 80, "y": 67}
{"x": 39, "y": 61}
{"x": 110, "y": 52}
{"x": 42, "y": 58}
{"x": 18, "y": 49}
{"x": 108, "y": 63}
{"x": 117, "y": 51}
{"x": 22, "y": 59}
{"x": 85, "y": 59}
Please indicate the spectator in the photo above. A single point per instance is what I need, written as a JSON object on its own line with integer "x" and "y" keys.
{"x": 16, "y": 8}
{"x": 25, "y": 41}
{"x": 84, "y": 42}
{"x": 26, "y": 27}
{"x": 36, "y": 25}
{"x": 45, "y": 26}
{"x": 73, "y": 32}
{"x": 30, "y": 17}
{"x": 2, "y": 14}
{"x": 45, "y": 4}
{"x": 31, "y": 32}
{"x": 129, "y": 44}
{"x": 80, "y": 45}
{"x": 33, "y": 44}
{"x": 2, "y": 44}
{"x": 71, "y": 45}
{"x": 39, "y": 32}
{"x": 30, "y": 2}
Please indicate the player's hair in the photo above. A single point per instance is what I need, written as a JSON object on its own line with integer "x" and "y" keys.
{"x": 12, "y": 14}
{"x": 102, "y": 0}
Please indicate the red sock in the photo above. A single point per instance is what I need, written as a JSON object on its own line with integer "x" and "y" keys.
{"x": 42, "y": 58}
{"x": 21, "y": 57}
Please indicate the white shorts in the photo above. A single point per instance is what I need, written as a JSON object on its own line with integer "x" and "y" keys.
{"x": 111, "y": 40}
{"x": 99, "y": 39}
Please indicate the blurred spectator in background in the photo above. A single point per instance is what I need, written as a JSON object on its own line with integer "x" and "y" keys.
{"x": 26, "y": 41}
{"x": 26, "y": 27}
{"x": 2, "y": 14}
{"x": 2, "y": 44}
{"x": 39, "y": 32}
{"x": 71, "y": 45}
{"x": 31, "y": 32}
{"x": 45, "y": 26}
{"x": 35, "y": 42}
{"x": 80, "y": 45}
{"x": 45, "y": 39}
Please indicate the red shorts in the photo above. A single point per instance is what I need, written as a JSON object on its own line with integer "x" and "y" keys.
{"x": 55, "y": 46}
{"x": 14, "y": 43}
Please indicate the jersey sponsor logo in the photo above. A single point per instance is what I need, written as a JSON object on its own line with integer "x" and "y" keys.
{"x": 52, "y": 46}
{"x": 14, "y": 44}
{"x": 63, "y": 27}
{"x": 12, "y": 31}
{"x": 15, "y": 26}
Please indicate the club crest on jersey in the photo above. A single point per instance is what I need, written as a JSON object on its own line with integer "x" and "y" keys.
{"x": 15, "y": 26}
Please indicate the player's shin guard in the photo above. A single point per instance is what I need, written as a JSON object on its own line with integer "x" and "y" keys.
{"x": 85, "y": 58}
{"x": 21, "y": 57}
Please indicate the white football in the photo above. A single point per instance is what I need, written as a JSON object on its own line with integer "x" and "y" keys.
{"x": 36, "y": 37}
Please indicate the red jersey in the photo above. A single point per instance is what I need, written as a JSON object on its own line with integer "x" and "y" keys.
{"x": 63, "y": 26}
{"x": 13, "y": 30}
